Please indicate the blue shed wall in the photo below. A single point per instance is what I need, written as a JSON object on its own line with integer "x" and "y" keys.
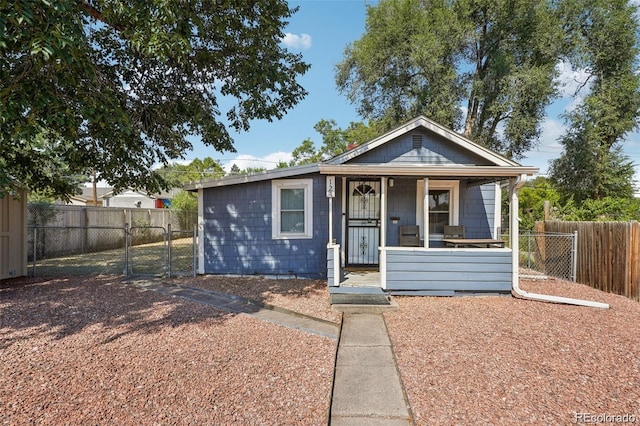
{"x": 238, "y": 235}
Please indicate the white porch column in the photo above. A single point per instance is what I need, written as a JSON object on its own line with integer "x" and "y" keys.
{"x": 383, "y": 211}
{"x": 331, "y": 192}
{"x": 425, "y": 209}
{"x": 382, "y": 254}
{"x": 343, "y": 217}
{"x": 514, "y": 230}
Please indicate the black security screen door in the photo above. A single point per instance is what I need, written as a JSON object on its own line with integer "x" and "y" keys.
{"x": 363, "y": 222}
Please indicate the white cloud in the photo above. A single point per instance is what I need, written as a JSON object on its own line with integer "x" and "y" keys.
{"x": 295, "y": 41}
{"x": 572, "y": 81}
{"x": 268, "y": 162}
{"x": 549, "y": 148}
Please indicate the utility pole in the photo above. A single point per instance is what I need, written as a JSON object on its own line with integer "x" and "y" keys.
{"x": 95, "y": 189}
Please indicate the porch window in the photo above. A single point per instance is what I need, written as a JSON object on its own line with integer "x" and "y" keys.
{"x": 439, "y": 214}
{"x": 443, "y": 205}
{"x": 292, "y": 208}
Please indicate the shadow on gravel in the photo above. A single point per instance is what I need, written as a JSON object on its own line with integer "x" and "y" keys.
{"x": 61, "y": 307}
{"x": 257, "y": 288}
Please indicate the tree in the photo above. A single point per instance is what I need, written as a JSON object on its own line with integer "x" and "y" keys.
{"x": 532, "y": 198}
{"x": 496, "y": 57}
{"x": 604, "y": 42}
{"x": 178, "y": 174}
{"x": 235, "y": 170}
{"x": 334, "y": 141}
{"x": 118, "y": 86}
{"x": 185, "y": 205}
{"x": 588, "y": 170}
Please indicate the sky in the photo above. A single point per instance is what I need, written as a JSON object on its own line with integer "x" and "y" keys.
{"x": 320, "y": 31}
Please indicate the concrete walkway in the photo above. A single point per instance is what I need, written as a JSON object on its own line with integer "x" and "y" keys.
{"x": 367, "y": 389}
{"x": 241, "y": 305}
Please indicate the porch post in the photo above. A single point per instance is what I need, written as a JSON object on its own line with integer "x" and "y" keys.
{"x": 331, "y": 192}
{"x": 382, "y": 254}
{"x": 425, "y": 209}
{"x": 383, "y": 211}
{"x": 343, "y": 216}
{"x": 331, "y": 220}
{"x": 514, "y": 230}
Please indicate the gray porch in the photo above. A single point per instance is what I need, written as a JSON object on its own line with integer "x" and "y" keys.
{"x": 427, "y": 271}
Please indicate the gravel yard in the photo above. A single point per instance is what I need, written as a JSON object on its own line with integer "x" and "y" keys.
{"x": 500, "y": 360}
{"x": 95, "y": 351}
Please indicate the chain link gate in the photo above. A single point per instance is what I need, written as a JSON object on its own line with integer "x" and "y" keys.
{"x": 182, "y": 252}
{"x": 552, "y": 254}
{"x": 147, "y": 248}
{"x": 160, "y": 251}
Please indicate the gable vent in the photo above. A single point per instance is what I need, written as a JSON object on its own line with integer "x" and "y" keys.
{"x": 416, "y": 141}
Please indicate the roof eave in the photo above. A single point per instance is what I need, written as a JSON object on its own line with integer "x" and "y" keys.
{"x": 256, "y": 177}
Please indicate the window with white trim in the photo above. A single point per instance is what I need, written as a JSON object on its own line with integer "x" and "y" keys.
{"x": 444, "y": 200}
{"x": 292, "y": 208}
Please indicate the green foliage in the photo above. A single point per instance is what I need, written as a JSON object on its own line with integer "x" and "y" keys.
{"x": 497, "y": 57}
{"x": 185, "y": 206}
{"x": 252, "y": 170}
{"x": 532, "y": 198}
{"x": 334, "y": 141}
{"x": 235, "y": 170}
{"x": 306, "y": 153}
{"x": 605, "y": 43}
{"x": 184, "y": 200}
{"x": 604, "y": 209}
{"x": 179, "y": 174}
{"x": 118, "y": 86}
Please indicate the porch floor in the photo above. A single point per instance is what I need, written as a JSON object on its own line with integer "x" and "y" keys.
{"x": 361, "y": 278}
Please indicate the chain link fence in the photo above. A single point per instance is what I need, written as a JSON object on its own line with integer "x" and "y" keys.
{"x": 551, "y": 254}
{"x": 58, "y": 246}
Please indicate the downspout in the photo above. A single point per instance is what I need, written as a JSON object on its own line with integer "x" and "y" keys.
{"x": 514, "y": 187}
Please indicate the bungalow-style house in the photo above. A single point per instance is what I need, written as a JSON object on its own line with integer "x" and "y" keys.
{"x": 131, "y": 198}
{"x": 85, "y": 197}
{"x": 387, "y": 205}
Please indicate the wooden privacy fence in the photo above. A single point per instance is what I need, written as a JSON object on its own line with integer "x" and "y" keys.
{"x": 608, "y": 254}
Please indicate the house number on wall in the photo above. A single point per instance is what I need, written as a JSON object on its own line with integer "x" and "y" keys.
{"x": 331, "y": 186}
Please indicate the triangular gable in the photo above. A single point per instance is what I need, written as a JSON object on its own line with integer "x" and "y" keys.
{"x": 448, "y": 135}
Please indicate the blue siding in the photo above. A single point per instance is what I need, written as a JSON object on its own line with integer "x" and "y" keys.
{"x": 477, "y": 210}
{"x": 238, "y": 234}
{"x": 449, "y": 270}
{"x": 401, "y": 203}
{"x": 435, "y": 150}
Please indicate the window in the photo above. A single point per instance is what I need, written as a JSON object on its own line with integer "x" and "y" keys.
{"x": 443, "y": 205}
{"x": 438, "y": 210}
{"x": 292, "y": 208}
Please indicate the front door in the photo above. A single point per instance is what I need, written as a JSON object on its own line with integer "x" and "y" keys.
{"x": 363, "y": 222}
